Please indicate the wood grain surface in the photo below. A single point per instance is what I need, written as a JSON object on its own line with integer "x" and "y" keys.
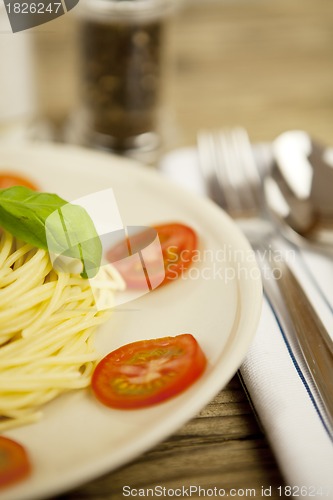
{"x": 267, "y": 66}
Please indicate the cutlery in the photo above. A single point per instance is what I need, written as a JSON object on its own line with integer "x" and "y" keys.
{"x": 298, "y": 192}
{"x": 232, "y": 179}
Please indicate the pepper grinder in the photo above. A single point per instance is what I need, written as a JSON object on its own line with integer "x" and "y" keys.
{"x": 121, "y": 59}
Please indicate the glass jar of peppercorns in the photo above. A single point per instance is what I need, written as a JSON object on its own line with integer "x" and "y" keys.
{"x": 121, "y": 52}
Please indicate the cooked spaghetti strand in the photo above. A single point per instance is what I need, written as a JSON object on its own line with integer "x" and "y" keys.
{"x": 47, "y": 326}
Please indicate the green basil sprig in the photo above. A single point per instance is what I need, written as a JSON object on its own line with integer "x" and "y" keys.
{"x": 47, "y": 221}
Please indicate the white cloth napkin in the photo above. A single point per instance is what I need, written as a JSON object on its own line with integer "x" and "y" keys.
{"x": 274, "y": 373}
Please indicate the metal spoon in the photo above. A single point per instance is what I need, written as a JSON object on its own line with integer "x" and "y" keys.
{"x": 299, "y": 191}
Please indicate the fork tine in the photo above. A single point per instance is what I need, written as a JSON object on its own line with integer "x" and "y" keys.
{"x": 227, "y": 170}
{"x": 249, "y": 202}
{"x": 232, "y": 174}
{"x": 249, "y": 165}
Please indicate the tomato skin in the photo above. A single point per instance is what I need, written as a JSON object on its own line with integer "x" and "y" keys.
{"x": 148, "y": 372}
{"x": 14, "y": 462}
{"x": 7, "y": 180}
{"x": 178, "y": 243}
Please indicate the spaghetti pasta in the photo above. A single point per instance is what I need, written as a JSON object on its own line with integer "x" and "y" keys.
{"x": 47, "y": 325}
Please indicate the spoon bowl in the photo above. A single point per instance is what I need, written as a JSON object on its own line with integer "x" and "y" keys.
{"x": 299, "y": 191}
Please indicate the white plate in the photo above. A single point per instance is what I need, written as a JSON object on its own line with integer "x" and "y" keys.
{"x": 219, "y": 303}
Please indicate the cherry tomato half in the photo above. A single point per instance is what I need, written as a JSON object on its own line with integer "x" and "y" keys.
{"x": 148, "y": 372}
{"x": 178, "y": 243}
{"x": 14, "y": 462}
{"x": 8, "y": 180}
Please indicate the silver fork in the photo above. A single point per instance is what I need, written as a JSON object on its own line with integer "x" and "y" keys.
{"x": 232, "y": 180}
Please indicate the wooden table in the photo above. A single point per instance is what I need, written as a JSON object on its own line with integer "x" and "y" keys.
{"x": 269, "y": 67}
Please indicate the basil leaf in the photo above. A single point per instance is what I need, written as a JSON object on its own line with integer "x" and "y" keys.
{"x": 71, "y": 232}
{"x": 47, "y": 221}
